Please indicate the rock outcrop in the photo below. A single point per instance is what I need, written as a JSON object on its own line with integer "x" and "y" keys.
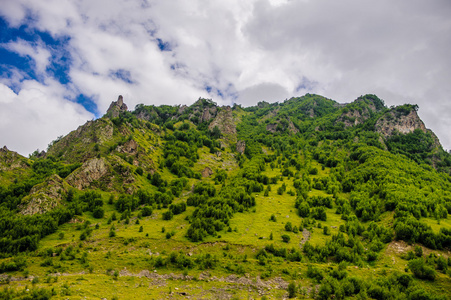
{"x": 282, "y": 126}
{"x": 392, "y": 122}
{"x": 271, "y": 128}
{"x": 224, "y": 121}
{"x": 43, "y": 197}
{"x": 291, "y": 127}
{"x": 130, "y": 147}
{"x": 92, "y": 170}
{"x": 241, "y": 147}
{"x": 208, "y": 113}
{"x": 10, "y": 160}
{"x": 207, "y": 172}
{"x": 358, "y": 115}
{"x": 116, "y": 107}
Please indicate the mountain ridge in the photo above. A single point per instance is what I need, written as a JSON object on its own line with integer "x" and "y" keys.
{"x": 298, "y": 192}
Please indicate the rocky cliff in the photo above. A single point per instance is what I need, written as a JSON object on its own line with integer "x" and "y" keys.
{"x": 116, "y": 107}
{"x": 225, "y": 123}
{"x": 44, "y": 197}
{"x": 392, "y": 122}
{"x": 10, "y": 160}
{"x": 92, "y": 170}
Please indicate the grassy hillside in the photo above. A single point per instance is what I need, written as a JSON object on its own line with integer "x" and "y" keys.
{"x": 302, "y": 199}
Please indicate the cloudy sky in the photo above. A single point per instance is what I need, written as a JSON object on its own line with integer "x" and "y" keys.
{"x": 62, "y": 62}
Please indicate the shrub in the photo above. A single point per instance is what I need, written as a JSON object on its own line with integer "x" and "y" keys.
{"x": 98, "y": 213}
{"x": 146, "y": 211}
{"x": 292, "y": 290}
{"x": 286, "y": 238}
{"x": 288, "y": 226}
{"x": 421, "y": 270}
{"x": 167, "y": 215}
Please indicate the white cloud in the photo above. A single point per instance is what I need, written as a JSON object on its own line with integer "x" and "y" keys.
{"x": 37, "y": 52}
{"x": 251, "y": 50}
{"x": 36, "y": 115}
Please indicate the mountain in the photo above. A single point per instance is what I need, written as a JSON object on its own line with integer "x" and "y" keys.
{"x": 303, "y": 198}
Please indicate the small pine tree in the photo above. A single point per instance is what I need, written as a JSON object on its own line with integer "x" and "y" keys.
{"x": 286, "y": 238}
{"x": 288, "y": 226}
{"x": 141, "y": 229}
{"x": 292, "y": 290}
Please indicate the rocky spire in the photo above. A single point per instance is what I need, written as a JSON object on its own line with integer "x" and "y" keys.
{"x": 116, "y": 107}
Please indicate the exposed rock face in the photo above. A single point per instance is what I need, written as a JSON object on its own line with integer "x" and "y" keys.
{"x": 94, "y": 131}
{"x": 289, "y": 125}
{"x": 207, "y": 172}
{"x": 92, "y": 170}
{"x": 143, "y": 116}
{"x": 10, "y": 160}
{"x": 116, "y": 107}
{"x": 271, "y": 128}
{"x": 182, "y": 109}
{"x": 209, "y": 113}
{"x": 130, "y": 147}
{"x": 241, "y": 147}
{"x": 224, "y": 121}
{"x": 357, "y": 116}
{"x": 390, "y": 123}
{"x": 292, "y": 128}
{"x": 352, "y": 118}
{"x": 43, "y": 197}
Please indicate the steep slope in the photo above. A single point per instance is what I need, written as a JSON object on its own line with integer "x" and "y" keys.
{"x": 13, "y": 166}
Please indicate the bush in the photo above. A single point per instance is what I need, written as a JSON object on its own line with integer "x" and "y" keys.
{"x": 167, "y": 215}
{"x": 421, "y": 270}
{"x": 288, "y": 227}
{"x": 292, "y": 290}
{"x": 98, "y": 213}
{"x": 286, "y": 238}
{"x": 146, "y": 211}
{"x": 139, "y": 171}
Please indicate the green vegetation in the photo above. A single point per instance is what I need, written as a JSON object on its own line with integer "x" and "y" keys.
{"x": 305, "y": 198}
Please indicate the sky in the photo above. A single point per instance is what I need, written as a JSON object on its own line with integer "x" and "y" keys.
{"x": 62, "y": 62}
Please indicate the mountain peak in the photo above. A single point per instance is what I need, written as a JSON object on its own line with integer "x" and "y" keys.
{"x": 116, "y": 107}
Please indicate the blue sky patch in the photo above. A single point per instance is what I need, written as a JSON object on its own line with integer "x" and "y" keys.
{"x": 164, "y": 46}
{"x": 89, "y": 104}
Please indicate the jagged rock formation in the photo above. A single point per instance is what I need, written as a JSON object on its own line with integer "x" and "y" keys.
{"x": 359, "y": 111}
{"x": 116, "y": 107}
{"x": 291, "y": 127}
{"x": 130, "y": 147}
{"x": 209, "y": 113}
{"x": 282, "y": 125}
{"x": 44, "y": 197}
{"x": 10, "y": 160}
{"x": 271, "y": 128}
{"x": 92, "y": 170}
{"x": 207, "y": 172}
{"x": 241, "y": 147}
{"x": 392, "y": 122}
{"x": 225, "y": 123}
